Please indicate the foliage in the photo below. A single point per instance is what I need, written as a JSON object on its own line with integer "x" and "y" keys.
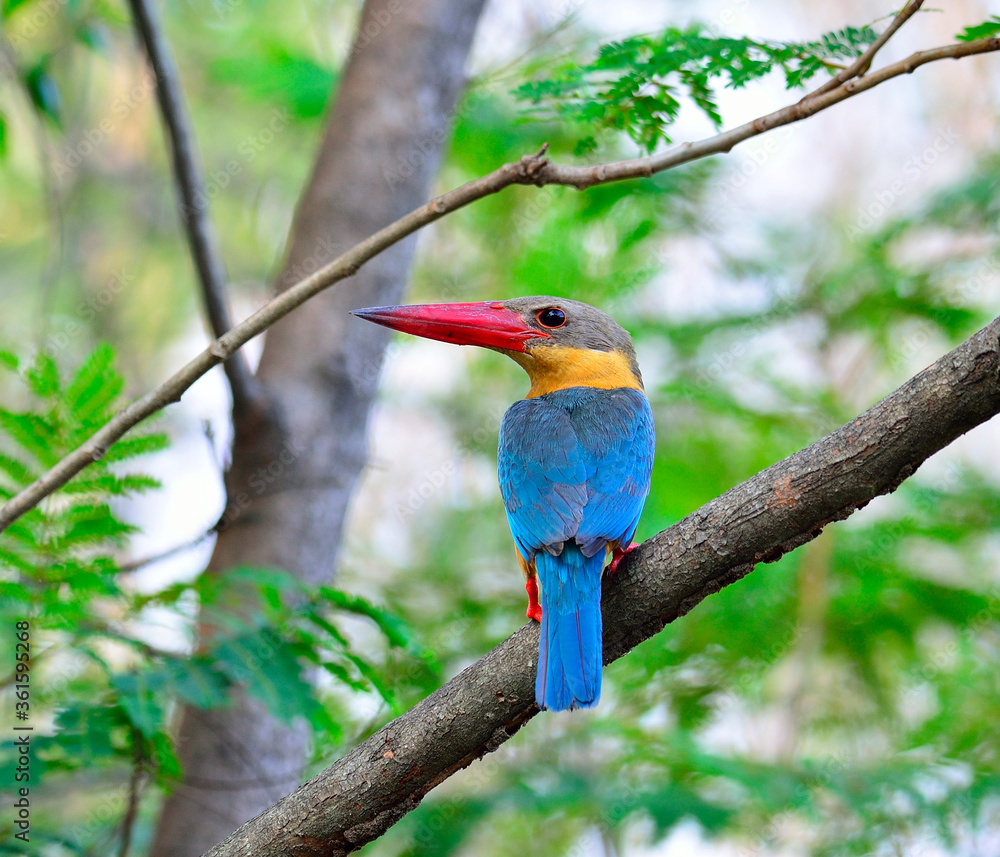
{"x": 989, "y": 27}
{"x": 106, "y": 689}
{"x": 638, "y": 85}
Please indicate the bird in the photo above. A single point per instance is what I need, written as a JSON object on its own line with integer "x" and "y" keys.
{"x": 574, "y": 462}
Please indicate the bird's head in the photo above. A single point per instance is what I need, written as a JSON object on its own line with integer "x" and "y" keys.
{"x": 559, "y": 342}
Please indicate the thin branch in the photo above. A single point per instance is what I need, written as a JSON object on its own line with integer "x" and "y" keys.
{"x": 531, "y": 169}
{"x": 137, "y": 564}
{"x": 134, "y": 793}
{"x": 359, "y": 797}
{"x": 864, "y": 62}
{"x": 190, "y": 180}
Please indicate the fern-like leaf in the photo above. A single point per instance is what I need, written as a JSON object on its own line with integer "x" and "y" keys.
{"x": 637, "y": 85}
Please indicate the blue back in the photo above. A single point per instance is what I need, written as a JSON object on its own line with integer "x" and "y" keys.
{"x": 574, "y": 466}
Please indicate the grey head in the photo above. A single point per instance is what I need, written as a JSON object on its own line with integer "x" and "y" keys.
{"x": 573, "y": 324}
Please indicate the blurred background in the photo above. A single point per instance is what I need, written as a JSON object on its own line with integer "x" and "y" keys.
{"x": 844, "y": 700}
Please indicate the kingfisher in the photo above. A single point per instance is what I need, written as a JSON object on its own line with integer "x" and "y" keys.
{"x": 575, "y": 460}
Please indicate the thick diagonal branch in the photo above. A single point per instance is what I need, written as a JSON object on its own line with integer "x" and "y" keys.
{"x": 536, "y": 170}
{"x": 358, "y": 798}
{"x": 190, "y": 180}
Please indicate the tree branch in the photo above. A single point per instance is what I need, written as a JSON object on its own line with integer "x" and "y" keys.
{"x": 190, "y": 180}
{"x": 360, "y": 796}
{"x": 531, "y": 169}
{"x": 864, "y": 62}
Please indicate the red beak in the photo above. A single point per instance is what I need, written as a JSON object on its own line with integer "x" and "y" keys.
{"x": 488, "y": 324}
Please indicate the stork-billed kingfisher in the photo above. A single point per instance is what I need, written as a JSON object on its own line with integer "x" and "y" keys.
{"x": 574, "y": 462}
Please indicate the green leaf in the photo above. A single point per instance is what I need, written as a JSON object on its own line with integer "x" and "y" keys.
{"x": 988, "y": 28}
{"x": 86, "y": 483}
{"x": 137, "y": 696}
{"x": 34, "y": 433}
{"x": 343, "y": 675}
{"x": 89, "y": 733}
{"x": 636, "y": 85}
{"x": 168, "y": 766}
{"x": 264, "y": 665}
{"x": 395, "y": 630}
{"x": 9, "y": 6}
{"x": 196, "y": 680}
{"x": 94, "y": 34}
{"x": 274, "y": 74}
{"x": 17, "y": 470}
{"x": 44, "y": 92}
{"x": 323, "y": 623}
{"x": 374, "y": 679}
{"x": 94, "y": 385}
{"x": 132, "y": 446}
{"x": 43, "y": 376}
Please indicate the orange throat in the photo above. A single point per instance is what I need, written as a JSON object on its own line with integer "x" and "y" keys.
{"x": 556, "y": 367}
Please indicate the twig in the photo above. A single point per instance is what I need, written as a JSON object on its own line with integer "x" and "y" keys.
{"x": 136, "y": 564}
{"x": 134, "y": 793}
{"x": 190, "y": 180}
{"x": 863, "y": 62}
{"x": 531, "y": 169}
{"x": 359, "y": 797}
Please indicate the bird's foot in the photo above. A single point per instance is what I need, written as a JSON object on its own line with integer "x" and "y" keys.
{"x": 534, "y": 608}
{"x": 617, "y": 554}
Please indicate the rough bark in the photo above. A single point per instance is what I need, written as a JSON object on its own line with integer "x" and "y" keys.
{"x": 297, "y": 455}
{"x": 359, "y": 797}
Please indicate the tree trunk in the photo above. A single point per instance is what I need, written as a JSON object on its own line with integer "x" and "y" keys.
{"x": 318, "y": 372}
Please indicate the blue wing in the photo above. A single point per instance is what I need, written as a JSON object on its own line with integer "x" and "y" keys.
{"x": 575, "y": 463}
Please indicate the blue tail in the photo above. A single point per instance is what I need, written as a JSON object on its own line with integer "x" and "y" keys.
{"x": 570, "y": 648}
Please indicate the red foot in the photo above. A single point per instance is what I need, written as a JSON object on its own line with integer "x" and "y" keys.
{"x": 534, "y": 608}
{"x": 617, "y": 554}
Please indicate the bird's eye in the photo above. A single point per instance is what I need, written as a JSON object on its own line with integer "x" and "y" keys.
{"x": 552, "y": 317}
